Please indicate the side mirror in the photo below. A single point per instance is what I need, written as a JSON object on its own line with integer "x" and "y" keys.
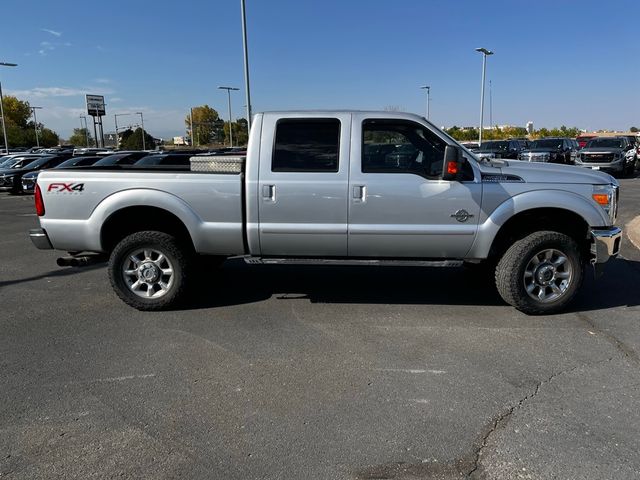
{"x": 452, "y": 164}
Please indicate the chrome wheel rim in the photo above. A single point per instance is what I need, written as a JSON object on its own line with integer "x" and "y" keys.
{"x": 548, "y": 275}
{"x": 148, "y": 273}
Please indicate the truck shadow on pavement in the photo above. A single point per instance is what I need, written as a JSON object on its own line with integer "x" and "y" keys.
{"x": 237, "y": 283}
{"x": 60, "y": 272}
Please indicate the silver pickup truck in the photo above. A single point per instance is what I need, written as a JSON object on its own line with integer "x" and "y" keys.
{"x": 371, "y": 188}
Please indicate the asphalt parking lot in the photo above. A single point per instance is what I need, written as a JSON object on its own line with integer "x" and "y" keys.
{"x": 307, "y": 372}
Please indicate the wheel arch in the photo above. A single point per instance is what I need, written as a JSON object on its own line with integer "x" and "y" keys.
{"x": 136, "y": 218}
{"x": 565, "y": 212}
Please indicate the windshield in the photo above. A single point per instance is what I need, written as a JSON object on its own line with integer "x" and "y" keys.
{"x": 503, "y": 146}
{"x": 547, "y": 143}
{"x": 78, "y": 162}
{"x": 605, "y": 143}
{"x": 21, "y": 162}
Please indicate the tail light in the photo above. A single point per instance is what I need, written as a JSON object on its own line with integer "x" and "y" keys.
{"x": 39, "y": 202}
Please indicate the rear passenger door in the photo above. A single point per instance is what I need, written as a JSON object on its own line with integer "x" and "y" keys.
{"x": 303, "y": 181}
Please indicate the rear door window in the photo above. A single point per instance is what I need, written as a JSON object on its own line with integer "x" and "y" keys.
{"x": 306, "y": 145}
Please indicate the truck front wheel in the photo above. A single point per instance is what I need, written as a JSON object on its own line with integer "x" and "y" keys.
{"x": 540, "y": 273}
{"x": 148, "y": 270}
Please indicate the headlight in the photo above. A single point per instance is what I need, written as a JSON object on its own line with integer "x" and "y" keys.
{"x": 607, "y": 197}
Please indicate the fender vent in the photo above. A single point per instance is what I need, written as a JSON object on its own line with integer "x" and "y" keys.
{"x": 501, "y": 178}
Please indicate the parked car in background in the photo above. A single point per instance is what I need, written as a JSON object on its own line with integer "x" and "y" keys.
{"x": 11, "y": 178}
{"x": 165, "y": 160}
{"x": 583, "y": 139}
{"x": 8, "y": 161}
{"x": 29, "y": 179}
{"x": 551, "y": 150}
{"x": 121, "y": 158}
{"x": 615, "y": 155}
{"x": 84, "y": 151}
{"x": 499, "y": 149}
{"x": 473, "y": 146}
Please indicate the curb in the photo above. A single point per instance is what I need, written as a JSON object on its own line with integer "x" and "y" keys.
{"x": 633, "y": 231}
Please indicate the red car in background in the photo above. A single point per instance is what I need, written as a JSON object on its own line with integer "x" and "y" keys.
{"x": 583, "y": 139}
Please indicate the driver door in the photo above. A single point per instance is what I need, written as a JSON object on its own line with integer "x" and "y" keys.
{"x": 399, "y": 206}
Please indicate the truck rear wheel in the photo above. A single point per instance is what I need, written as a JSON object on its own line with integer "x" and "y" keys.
{"x": 148, "y": 270}
{"x": 540, "y": 273}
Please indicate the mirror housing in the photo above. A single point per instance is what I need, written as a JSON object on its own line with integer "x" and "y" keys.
{"x": 452, "y": 164}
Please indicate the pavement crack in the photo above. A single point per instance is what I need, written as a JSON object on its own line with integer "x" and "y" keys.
{"x": 501, "y": 420}
{"x": 628, "y": 352}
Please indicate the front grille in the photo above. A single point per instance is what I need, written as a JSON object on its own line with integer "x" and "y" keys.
{"x": 597, "y": 157}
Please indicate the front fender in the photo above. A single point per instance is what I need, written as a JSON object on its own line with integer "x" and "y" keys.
{"x": 593, "y": 215}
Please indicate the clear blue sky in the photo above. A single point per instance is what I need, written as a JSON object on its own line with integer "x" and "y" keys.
{"x": 556, "y": 62}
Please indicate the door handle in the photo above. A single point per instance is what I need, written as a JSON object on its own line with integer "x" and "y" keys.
{"x": 269, "y": 192}
{"x": 360, "y": 193}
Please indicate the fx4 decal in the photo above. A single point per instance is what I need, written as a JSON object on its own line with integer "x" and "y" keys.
{"x": 65, "y": 188}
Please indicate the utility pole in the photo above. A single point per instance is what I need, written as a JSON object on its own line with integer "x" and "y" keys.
{"x": 246, "y": 63}
{"x": 490, "y": 105}
{"x": 86, "y": 129}
{"x": 35, "y": 123}
{"x": 142, "y": 122}
{"x": 4, "y": 123}
{"x": 191, "y": 127}
{"x": 228, "y": 89}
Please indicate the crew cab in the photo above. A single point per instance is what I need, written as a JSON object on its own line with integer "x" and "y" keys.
{"x": 339, "y": 187}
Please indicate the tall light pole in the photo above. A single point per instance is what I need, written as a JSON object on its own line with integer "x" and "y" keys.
{"x": 428, "y": 89}
{"x": 4, "y": 124}
{"x": 490, "y": 106}
{"x": 246, "y": 63}
{"x": 115, "y": 120}
{"x": 228, "y": 89}
{"x": 35, "y": 123}
{"x": 142, "y": 122}
{"x": 86, "y": 129}
{"x": 485, "y": 53}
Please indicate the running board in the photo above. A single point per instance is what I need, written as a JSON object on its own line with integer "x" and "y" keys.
{"x": 352, "y": 262}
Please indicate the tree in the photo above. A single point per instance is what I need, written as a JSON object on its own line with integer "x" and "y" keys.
{"x": 634, "y": 129}
{"x": 17, "y": 112}
{"x": 21, "y": 131}
{"x": 80, "y": 136}
{"x": 207, "y": 126}
{"x": 134, "y": 141}
{"x": 240, "y": 135}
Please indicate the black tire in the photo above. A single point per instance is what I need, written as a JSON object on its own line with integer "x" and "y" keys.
{"x": 178, "y": 258}
{"x": 516, "y": 261}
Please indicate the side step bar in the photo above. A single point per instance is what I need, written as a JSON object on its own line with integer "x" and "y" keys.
{"x": 352, "y": 262}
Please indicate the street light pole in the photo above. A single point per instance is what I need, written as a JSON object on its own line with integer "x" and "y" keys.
{"x": 86, "y": 129}
{"x": 485, "y": 53}
{"x": 35, "y": 123}
{"x": 115, "y": 117}
{"x": 144, "y": 147}
{"x": 228, "y": 89}
{"x": 428, "y": 89}
{"x": 4, "y": 123}
{"x": 246, "y": 63}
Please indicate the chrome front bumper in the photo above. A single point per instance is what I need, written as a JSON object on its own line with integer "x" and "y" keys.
{"x": 605, "y": 245}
